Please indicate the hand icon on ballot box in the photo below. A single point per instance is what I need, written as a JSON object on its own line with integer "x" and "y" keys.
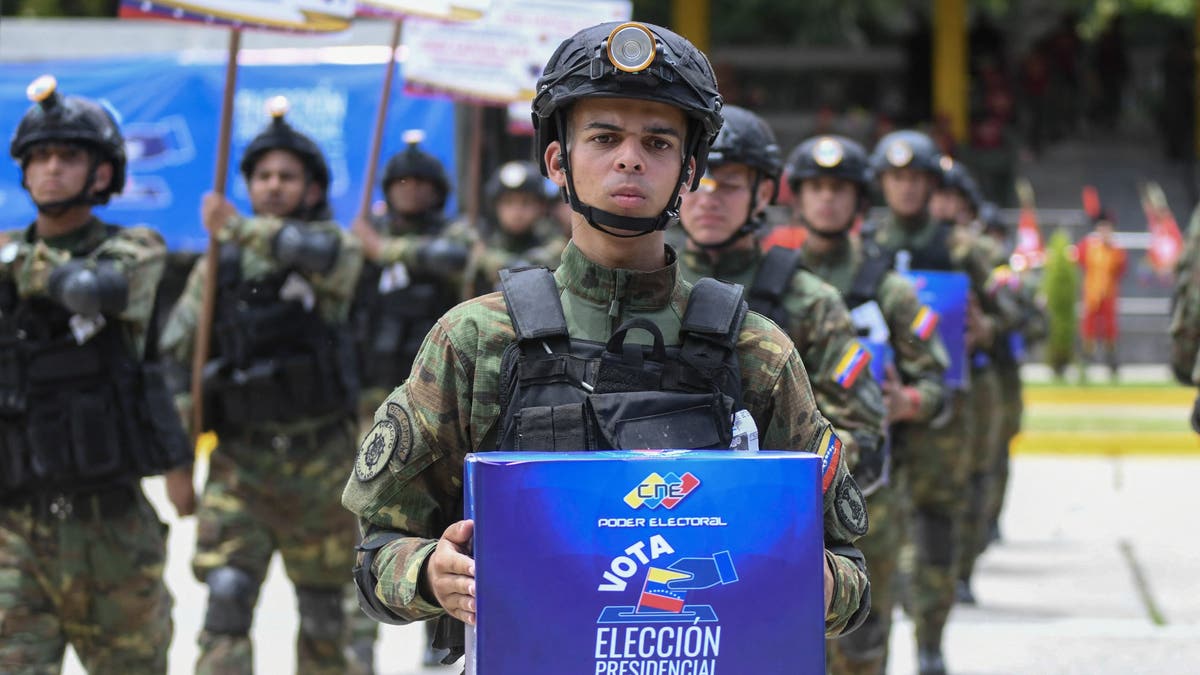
{"x": 703, "y": 572}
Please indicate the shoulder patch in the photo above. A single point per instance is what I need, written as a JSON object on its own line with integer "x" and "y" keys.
{"x": 830, "y": 448}
{"x": 404, "y": 436}
{"x": 853, "y": 360}
{"x": 924, "y": 323}
{"x": 376, "y": 449}
{"x": 850, "y": 506}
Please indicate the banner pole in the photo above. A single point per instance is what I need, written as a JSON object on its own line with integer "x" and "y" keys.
{"x": 364, "y": 206}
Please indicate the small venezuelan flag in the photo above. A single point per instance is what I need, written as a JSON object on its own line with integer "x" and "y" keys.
{"x": 925, "y": 323}
{"x": 657, "y": 596}
{"x": 853, "y": 361}
{"x": 830, "y": 448}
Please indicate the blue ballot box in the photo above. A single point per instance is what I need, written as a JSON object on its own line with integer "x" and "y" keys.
{"x": 646, "y": 563}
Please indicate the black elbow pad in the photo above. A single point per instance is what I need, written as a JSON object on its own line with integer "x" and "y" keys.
{"x": 308, "y": 249}
{"x": 364, "y": 579}
{"x": 89, "y": 291}
{"x": 864, "y": 607}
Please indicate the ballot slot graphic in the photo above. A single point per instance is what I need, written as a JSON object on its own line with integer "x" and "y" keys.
{"x": 664, "y": 592}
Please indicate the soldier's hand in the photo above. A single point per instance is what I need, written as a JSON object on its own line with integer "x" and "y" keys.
{"x": 181, "y": 490}
{"x": 899, "y": 404}
{"x": 828, "y": 585}
{"x": 371, "y": 241}
{"x": 215, "y": 211}
{"x": 450, "y": 572}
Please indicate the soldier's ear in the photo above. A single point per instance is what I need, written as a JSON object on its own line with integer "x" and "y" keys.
{"x": 103, "y": 177}
{"x": 554, "y": 163}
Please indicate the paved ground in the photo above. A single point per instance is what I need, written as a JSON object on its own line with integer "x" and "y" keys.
{"x": 1098, "y": 573}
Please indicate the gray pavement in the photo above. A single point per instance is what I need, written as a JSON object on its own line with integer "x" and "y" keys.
{"x": 1060, "y": 594}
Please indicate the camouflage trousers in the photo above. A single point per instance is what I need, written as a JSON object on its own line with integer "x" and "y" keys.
{"x": 281, "y": 493}
{"x": 1011, "y": 408}
{"x": 865, "y": 650}
{"x": 934, "y": 471}
{"x": 983, "y": 444}
{"x": 92, "y": 579}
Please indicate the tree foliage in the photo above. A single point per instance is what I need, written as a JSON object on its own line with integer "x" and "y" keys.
{"x": 1060, "y": 285}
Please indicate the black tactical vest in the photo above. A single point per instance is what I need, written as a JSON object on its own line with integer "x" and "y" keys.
{"x": 935, "y": 254}
{"x": 563, "y": 393}
{"x": 273, "y": 360}
{"x": 772, "y": 281}
{"x": 77, "y": 416}
{"x": 876, "y": 263}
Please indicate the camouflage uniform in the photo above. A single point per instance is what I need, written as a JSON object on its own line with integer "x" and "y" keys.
{"x": 85, "y": 568}
{"x": 1185, "y": 313}
{"x": 542, "y": 245}
{"x": 268, "y": 485}
{"x": 450, "y": 406}
{"x": 938, "y": 486}
{"x": 921, "y": 365}
{"x": 819, "y": 326}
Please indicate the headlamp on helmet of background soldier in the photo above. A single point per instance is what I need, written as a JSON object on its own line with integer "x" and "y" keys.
{"x": 413, "y": 162}
{"x": 628, "y": 60}
{"x": 955, "y": 176}
{"x": 279, "y": 135}
{"x": 54, "y": 118}
{"x": 828, "y": 155}
{"x": 906, "y": 149}
{"x": 515, "y": 176}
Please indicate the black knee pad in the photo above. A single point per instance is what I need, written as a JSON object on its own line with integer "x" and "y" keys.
{"x": 934, "y": 538}
{"x": 321, "y": 614}
{"x": 868, "y": 642}
{"x": 231, "y": 596}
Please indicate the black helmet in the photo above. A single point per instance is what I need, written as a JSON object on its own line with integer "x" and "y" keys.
{"x": 906, "y": 148}
{"x": 71, "y": 119}
{"x": 279, "y": 135}
{"x": 515, "y": 176}
{"x": 956, "y": 177}
{"x": 835, "y": 156}
{"x": 412, "y": 162}
{"x": 746, "y": 138}
{"x": 629, "y": 60}
{"x": 989, "y": 215}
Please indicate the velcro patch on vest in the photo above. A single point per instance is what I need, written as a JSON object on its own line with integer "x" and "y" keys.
{"x": 376, "y": 449}
{"x": 850, "y": 506}
{"x": 830, "y": 449}
{"x": 853, "y": 361}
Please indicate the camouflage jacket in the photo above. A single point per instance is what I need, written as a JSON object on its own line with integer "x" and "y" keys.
{"x": 139, "y": 252}
{"x": 968, "y": 253}
{"x": 921, "y": 364}
{"x": 542, "y": 245}
{"x": 451, "y": 404}
{"x": 1185, "y": 309}
{"x": 820, "y": 327}
{"x": 333, "y": 291}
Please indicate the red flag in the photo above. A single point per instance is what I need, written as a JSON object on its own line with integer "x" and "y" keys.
{"x": 1166, "y": 241}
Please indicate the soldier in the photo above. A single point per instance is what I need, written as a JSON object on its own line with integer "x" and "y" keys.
{"x": 721, "y": 221}
{"x": 906, "y": 163}
{"x": 829, "y": 177}
{"x": 84, "y": 411}
{"x": 280, "y": 390}
{"x": 519, "y": 231}
{"x": 1185, "y": 316}
{"x": 957, "y": 198}
{"x": 412, "y": 274}
{"x": 624, "y": 133}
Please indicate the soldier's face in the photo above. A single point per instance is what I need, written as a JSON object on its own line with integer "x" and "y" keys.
{"x": 906, "y": 190}
{"x": 58, "y": 171}
{"x": 278, "y": 185}
{"x": 949, "y": 205}
{"x": 720, "y": 206}
{"x": 625, "y": 155}
{"x": 411, "y": 195}
{"x": 518, "y": 211}
{"x": 827, "y": 204}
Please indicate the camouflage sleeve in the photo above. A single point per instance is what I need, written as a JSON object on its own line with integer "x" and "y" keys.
{"x": 836, "y": 362}
{"x": 411, "y": 484}
{"x": 399, "y": 249}
{"x": 921, "y": 363}
{"x": 1185, "y": 309}
{"x": 778, "y": 395}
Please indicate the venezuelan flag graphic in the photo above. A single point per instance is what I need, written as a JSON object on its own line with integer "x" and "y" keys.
{"x": 657, "y": 596}
{"x": 925, "y": 323}
{"x": 830, "y": 448}
{"x": 853, "y": 361}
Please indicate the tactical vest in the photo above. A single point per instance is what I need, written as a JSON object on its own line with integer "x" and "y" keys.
{"x": 76, "y": 416}
{"x": 876, "y": 263}
{"x": 935, "y": 254}
{"x": 772, "y": 281}
{"x": 273, "y": 360}
{"x": 564, "y": 393}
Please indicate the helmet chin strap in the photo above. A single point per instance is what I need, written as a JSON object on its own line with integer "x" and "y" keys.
{"x": 604, "y": 220}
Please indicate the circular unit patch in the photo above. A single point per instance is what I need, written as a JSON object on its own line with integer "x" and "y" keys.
{"x": 375, "y": 451}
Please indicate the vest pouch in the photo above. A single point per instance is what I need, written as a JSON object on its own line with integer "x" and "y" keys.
{"x": 164, "y": 442}
{"x": 662, "y": 419}
{"x": 95, "y": 421}
{"x": 248, "y": 396}
{"x": 14, "y": 456}
{"x": 12, "y": 378}
{"x": 552, "y": 427}
{"x": 50, "y": 439}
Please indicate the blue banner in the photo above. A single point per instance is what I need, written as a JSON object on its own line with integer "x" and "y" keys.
{"x": 646, "y": 563}
{"x": 945, "y": 297}
{"x": 169, "y": 109}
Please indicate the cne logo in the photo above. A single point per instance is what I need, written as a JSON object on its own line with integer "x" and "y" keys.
{"x": 665, "y": 491}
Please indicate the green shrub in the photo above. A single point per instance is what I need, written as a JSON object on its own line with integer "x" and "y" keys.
{"x": 1060, "y": 285}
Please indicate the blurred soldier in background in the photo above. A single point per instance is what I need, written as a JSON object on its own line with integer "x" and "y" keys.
{"x": 829, "y": 178}
{"x": 84, "y": 410}
{"x": 280, "y": 390}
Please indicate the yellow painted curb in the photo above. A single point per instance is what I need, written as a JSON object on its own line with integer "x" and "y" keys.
{"x": 1105, "y": 443}
{"x": 1136, "y": 396}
